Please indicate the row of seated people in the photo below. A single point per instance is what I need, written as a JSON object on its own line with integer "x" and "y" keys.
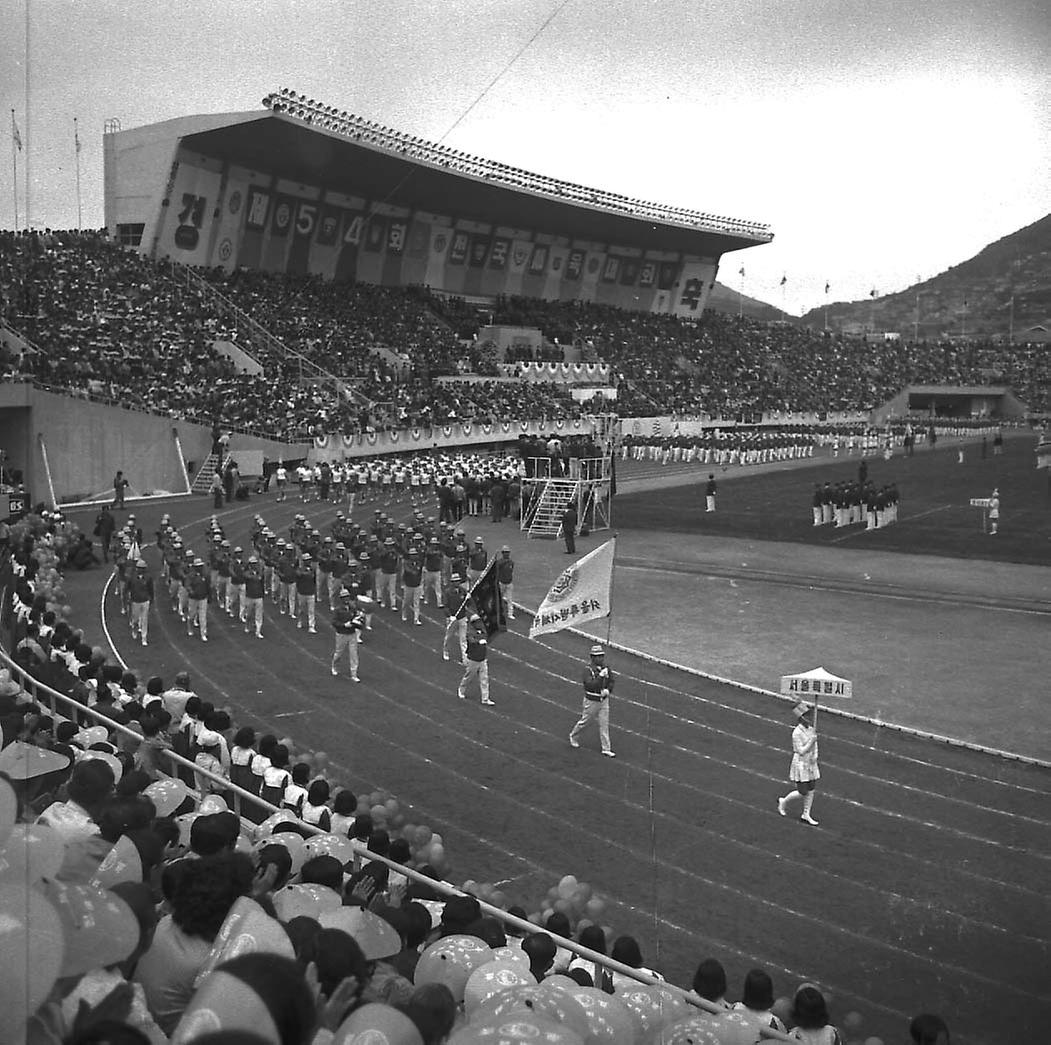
{"x": 182, "y": 923}
{"x": 112, "y": 324}
{"x": 726, "y": 365}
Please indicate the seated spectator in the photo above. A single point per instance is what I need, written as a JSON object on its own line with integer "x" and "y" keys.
{"x": 757, "y": 999}
{"x": 810, "y": 1018}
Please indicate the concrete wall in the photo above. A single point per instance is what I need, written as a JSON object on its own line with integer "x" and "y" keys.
{"x": 87, "y": 442}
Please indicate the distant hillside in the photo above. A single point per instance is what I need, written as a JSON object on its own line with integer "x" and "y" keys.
{"x": 972, "y": 298}
{"x": 725, "y": 299}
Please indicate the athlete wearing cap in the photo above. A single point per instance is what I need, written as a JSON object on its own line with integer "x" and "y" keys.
{"x": 475, "y": 662}
{"x": 140, "y": 592}
{"x": 505, "y": 577}
{"x": 598, "y": 685}
{"x": 197, "y": 602}
{"x": 252, "y": 600}
{"x": 347, "y": 621}
{"x": 457, "y": 608}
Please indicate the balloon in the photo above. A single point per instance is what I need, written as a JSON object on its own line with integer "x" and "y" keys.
{"x": 391, "y": 805}
{"x": 451, "y": 961}
{"x": 31, "y": 949}
{"x": 423, "y": 835}
{"x": 852, "y": 1020}
{"x": 609, "y": 1021}
{"x": 595, "y": 908}
{"x": 437, "y": 838}
{"x": 694, "y": 1030}
{"x": 309, "y": 900}
{"x": 379, "y": 813}
{"x": 98, "y": 927}
{"x": 167, "y": 795}
{"x": 121, "y": 864}
{"x": 437, "y": 853}
{"x": 266, "y": 828}
{"x": 374, "y": 1023}
{"x": 538, "y": 1000}
{"x": 498, "y": 899}
{"x": 329, "y": 845}
{"x": 566, "y": 887}
{"x": 31, "y": 852}
{"x": 376, "y": 937}
{"x": 492, "y": 978}
{"x": 512, "y": 952}
{"x": 652, "y": 1007}
{"x": 513, "y": 1028}
{"x": 213, "y": 804}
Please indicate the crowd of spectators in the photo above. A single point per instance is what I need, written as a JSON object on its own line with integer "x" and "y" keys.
{"x": 176, "y": 920}
{"x": 113, "y": 325}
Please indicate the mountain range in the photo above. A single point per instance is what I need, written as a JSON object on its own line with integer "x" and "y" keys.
{"x": 1005, "y": 287}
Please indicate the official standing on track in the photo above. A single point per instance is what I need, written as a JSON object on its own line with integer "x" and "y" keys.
{"x": 476, "y": 664}
{"x": 348, "y": 621}
{"x": 598, "y": 685}
{"x": 804, "y": 772}
{"x": 709, "y": 494}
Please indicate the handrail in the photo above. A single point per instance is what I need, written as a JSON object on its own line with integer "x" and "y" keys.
{"x": 274, "y": 343}
{"x": 241, "y": 795}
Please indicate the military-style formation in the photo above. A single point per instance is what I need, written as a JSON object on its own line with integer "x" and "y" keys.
{"x": 855, "y": 503}
{"x": 353, "y": 570}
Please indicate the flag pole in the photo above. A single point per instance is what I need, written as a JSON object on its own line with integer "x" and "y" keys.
{"x": 612, "y": 585}
{"x": 76, "y": 150}
{"x": 14, "y": 166}
{"x": 28, "y": 142}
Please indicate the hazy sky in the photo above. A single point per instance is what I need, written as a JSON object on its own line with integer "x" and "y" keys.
{"x": 882, "y": 139}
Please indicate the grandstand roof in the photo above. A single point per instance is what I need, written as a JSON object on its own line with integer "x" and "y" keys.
{"x": 295, "y": 150}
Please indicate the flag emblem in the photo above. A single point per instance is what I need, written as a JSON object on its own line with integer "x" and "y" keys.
{"x": 563, "y": 587}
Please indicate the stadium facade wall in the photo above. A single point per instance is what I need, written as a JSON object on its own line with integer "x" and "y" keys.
{"x": 87, "y": 442}
{"x": 459, "y": 435}
{"x": 204, "y": 210}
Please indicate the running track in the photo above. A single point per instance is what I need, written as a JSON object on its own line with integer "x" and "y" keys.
{"x": 923, "y": 888}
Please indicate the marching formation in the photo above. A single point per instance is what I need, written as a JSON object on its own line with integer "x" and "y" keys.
{"x": 353, "y": 570}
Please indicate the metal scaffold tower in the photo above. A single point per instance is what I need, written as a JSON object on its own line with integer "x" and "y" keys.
{"x": 552, "y": 483}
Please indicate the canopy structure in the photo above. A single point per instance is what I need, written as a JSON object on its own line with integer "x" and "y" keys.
{"x": 814, "y": 684}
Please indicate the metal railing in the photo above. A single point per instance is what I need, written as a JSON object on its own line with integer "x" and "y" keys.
{"x": 242, "y": 799}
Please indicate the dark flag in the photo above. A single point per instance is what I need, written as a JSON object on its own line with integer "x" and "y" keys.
{"x": 486, "y": 597}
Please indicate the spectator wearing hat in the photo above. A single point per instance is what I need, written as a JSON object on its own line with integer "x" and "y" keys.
{"x": 347, "y": 621}
{"x": 803, "y": 772}
{"x": 86, "y": 794}
{"x": 505, "y": 576}
{"x": 476, "y": 664}
{"x": 598, "y": 685}
{"x": 457, "y": 609}
{"x": 140, "y": 593}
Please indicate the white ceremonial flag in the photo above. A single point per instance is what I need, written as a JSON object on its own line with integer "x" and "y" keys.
{"x": 581, "y": 593}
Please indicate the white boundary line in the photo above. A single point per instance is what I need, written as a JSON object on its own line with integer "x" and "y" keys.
{"x": 825, "y": 708}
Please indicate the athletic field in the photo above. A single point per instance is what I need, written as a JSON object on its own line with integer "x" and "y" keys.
{"x": 924, "y": 886}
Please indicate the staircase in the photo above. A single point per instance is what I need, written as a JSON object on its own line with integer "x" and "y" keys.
{"x": 202, "y": 481}
{"x": 546, "y": 518}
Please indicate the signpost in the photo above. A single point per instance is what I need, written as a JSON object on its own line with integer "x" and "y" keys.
{"x": 984, "y": 503}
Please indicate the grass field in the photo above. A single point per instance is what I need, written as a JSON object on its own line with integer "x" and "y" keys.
{"x": 935, "y": 517}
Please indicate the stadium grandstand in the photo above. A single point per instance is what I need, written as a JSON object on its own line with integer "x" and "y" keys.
{"x": 296, "y": 290}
